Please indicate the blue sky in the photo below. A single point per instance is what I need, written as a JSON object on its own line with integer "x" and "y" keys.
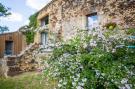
{"x": 21, "y": 10}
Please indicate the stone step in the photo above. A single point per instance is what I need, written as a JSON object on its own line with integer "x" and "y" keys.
{"x": 11, "y": 58}
{"x": 14, "y": 68}
{"x": 11, "y": 63}
{"x": 12, "y": 71}
{"x": 21, "y": 63}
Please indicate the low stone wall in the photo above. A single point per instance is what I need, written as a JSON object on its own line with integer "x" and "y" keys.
{"x": 13, "y": 68}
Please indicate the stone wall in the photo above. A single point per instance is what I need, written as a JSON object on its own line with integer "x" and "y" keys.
{"x": 66, "y": 15}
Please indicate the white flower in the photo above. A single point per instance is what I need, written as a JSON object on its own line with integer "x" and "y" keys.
{"x": 114, "y": 50}
{"x": 131, "y": 73}
{"x": 84, "y": 45}
{"x": 78, "y": 75}
{"x": 84, "y": 80}
{"x": 59, "y": 85}
{"x": 94, "y": 34}
{"x": 60, "y": 80}
{"x": 124, "y": 81}
{"x": 128, "y": 86}
{"x": 81, "y": 67}
{"x": 74, "y": 83}
{"x": 81, "y": 84}
{"x": 93, "y": 44}
{"x": 75, "y": 79}
{"x": 103, "y": 74}
{"x": 64, "y": 83}
{"x": 97, "y": 72}
{"x": 79, "y": 87}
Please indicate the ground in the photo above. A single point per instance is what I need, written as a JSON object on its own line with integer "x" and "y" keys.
{"x": 31, "y": 80}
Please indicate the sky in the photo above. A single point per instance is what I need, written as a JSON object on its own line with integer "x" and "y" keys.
{"x": 21, "y": 10}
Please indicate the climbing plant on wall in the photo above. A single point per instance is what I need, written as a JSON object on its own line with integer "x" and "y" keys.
{"x": 29, "y": 36}
{"x": 33, "y": 21}
{"x": 29, "y": 29}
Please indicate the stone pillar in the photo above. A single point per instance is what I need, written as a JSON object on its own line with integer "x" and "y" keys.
{"x": 3, "y": 68}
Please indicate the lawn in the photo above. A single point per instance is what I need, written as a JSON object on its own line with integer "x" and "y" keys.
{"x": 30, "y": 80}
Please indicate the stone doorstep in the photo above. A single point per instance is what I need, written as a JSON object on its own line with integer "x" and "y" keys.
{"x": 12, "y": 71}
{"x": 11, "y": 63}
{"x": 11, "y": 58}
{"x": 14, "y": 68}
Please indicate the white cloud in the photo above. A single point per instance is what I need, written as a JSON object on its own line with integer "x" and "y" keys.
{"x": 37, "y": 4}
{"x": 14, "y": 17}
{"x": 26, "y": 22}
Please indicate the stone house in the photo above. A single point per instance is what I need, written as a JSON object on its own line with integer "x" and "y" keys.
{"x": 59, "y": 18}
{"x": 11, "y": 43}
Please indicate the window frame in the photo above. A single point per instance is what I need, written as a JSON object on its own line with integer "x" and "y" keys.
{"x": 43, "y": 20}
{"x": 90, "y": 15}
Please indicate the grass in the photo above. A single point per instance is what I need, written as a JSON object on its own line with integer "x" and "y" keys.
{"x": 31, "y": 80}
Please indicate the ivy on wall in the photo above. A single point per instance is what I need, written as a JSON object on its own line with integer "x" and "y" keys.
{"x": 28, "y": 30}
{"x": 33, "y": 21}
{"x": 29, "y": 36}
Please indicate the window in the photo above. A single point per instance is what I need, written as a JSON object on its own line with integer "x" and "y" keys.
{"x": 44, "y": 38}
{"x": 45, "y": 21}
{"x": 92, "y": 21}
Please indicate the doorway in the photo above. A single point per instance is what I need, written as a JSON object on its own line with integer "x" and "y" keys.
{"x": 9, "y": 47}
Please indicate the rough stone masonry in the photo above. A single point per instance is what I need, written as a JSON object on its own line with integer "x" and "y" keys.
{"x": 66, "y": 15}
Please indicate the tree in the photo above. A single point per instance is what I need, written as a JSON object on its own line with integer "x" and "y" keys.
{"x": 3, "y": 29}
{"x": 4, "y": 11}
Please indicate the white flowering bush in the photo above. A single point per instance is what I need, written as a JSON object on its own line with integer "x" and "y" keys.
{"x": 99, "y": 59}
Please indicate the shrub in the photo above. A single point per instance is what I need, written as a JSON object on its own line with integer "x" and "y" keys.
{"x": 77, "y": 67}
{"x": 29, "y": 37}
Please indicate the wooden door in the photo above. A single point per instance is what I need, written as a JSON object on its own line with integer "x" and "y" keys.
{"x": 8, "y": 47}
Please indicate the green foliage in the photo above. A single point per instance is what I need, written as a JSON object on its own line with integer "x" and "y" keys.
{"x": 64, "y": 49}
{"x": 120, "y": 52}
{"x": 3, "y": 29}
{"x": 74, "y": 66}
{"x": 33, "y": 21}
{"x": 4, "y": 12}
{"x": 130, "y": 31}
{"x": 29, "y": 33}
{"x": 29, "y": 36}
